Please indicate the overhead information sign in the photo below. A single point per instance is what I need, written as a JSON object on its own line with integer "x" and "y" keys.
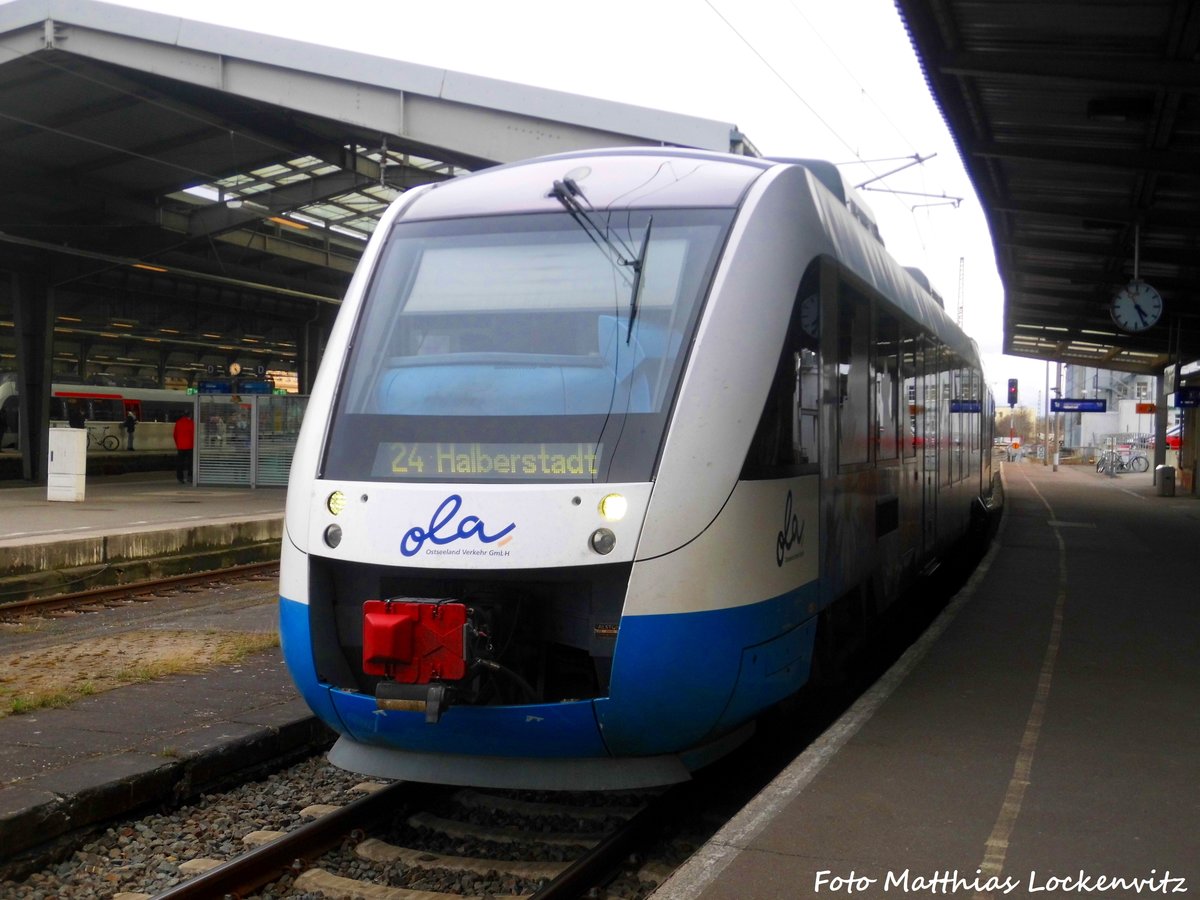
{"x": 1068, "y": 404}
{"x": 1187, "y": 397}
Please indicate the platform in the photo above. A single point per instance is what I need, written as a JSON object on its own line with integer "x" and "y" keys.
{"x": 130, "y": 527}
{"x": 1047, "y": 725}
{"x": 61, "y": 769}
{"x": 1041, "y": 737}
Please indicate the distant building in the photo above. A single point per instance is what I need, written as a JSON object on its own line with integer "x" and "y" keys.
{"x": 1123, "y": 391}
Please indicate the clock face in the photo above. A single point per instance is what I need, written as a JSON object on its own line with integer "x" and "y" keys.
{"x": 1136, "y": 307}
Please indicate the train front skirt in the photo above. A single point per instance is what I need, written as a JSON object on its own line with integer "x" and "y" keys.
{"x": 570, "y": 744}
{"x": 533, "y": 773}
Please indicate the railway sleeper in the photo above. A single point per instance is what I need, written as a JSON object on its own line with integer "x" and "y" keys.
{"x": 377, "y": 851}
{"x": 318, "y": 881}
{"x": 502, "y": 834}
{"x": 480, "y": 800}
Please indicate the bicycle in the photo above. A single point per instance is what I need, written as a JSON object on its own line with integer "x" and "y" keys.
{"x": 1111, "y": 461}
{"x": 1138, "y": 462}
{"x": 104, "y": 440}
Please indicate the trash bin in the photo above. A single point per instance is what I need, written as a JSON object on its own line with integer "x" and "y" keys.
{"x": 1164, "y": 477}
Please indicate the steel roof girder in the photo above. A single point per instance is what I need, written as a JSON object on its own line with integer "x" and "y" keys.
{"x": 431, "y": 119}
{"x": 1107, "y": 70}
{"x": 221, "y": 216}
{"x": 1128, "y": 159}
{"x": 277, "y": 246}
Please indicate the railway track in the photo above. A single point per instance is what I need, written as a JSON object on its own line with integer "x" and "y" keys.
{"x": 138, "y": 590}
{"x": 504, "y": 845}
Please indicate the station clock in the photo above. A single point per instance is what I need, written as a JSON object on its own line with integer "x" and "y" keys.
{"x": 1136, "y": 307}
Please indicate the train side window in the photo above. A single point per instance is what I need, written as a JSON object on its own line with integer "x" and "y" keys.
{"x": 973, "y": 422}
{"x": 786, "y": 441}
{"x": 807, "y": 438}
{"x": 910, "y": 370}
{"x": 962, "y": 445}
{"x": 104, "y": 410}
{"x": 853, "y": 354}
{"x": 927, "y": 405}
{"x": 887, "y": 376}
{"x": 946, "y": 434}
{"x": 954, "y": 374}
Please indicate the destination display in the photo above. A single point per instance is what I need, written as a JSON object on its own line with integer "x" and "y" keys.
{"x": 426, "y": 459}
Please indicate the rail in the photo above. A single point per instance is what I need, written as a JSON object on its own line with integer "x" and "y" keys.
{"x": 108, "y": 593}
{"x": 246, "y": 873}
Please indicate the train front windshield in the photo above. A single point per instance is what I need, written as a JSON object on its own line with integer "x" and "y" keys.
{"x": 509, "y": 348}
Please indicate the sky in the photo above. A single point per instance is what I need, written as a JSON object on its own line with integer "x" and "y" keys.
{"x": 832, "y": 79}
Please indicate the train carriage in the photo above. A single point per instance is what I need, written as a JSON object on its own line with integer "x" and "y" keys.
{"x": 103, "y": 408}
{"x": 601, "y": 443}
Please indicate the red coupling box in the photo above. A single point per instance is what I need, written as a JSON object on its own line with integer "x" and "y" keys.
{"x": 414, "y": 642}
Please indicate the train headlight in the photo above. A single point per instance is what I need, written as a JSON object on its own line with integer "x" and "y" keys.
{"x": 333, "y": 535}
{"x": 613, "y": 507}
{"x": 603, "y": 541}
{"x": 336, "y": 502}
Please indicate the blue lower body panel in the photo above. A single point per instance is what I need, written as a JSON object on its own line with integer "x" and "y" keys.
{"x": 296, "y": 641}
{"x": 678, "y": 682}
{"x": 548, "y": 729}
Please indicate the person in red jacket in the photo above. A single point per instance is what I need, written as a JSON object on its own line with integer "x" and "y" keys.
{"x": 185, "y": 440}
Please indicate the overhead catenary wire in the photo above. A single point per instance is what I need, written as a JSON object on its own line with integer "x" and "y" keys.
{"x": 858, "y": 158}
{"x": 862, "y": 89}
{"x": 782, "y": 80}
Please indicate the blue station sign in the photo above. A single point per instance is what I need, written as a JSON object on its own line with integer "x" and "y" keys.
{"x": 966, "y": 406}
{"x": 1069, "y": 404}
{"x": 1187, "y": 397}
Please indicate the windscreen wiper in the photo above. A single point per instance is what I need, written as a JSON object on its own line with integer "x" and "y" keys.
{"x": 567, "y": 193}
{"x": 639, "y": 265}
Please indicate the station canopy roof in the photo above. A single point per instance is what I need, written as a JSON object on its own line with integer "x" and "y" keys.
{"x": 1079, "y": 124}
{"x": 147, "y": 156}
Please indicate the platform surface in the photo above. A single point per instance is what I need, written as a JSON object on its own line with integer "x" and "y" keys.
{"x": 115, "y": 504}
{"x": 1042, "y": 739}
{"x": 61, "y": 769}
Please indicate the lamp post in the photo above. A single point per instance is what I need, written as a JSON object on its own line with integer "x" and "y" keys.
{"x": 1046, "y": 431}
{"x": 1057, "y": 416}
{"x": 1011, "y": 414}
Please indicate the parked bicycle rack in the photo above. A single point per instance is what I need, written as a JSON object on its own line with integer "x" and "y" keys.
{"x": 1123, "y": 453}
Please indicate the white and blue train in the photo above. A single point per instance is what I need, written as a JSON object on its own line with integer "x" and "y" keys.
{"x": 606, "y": 448}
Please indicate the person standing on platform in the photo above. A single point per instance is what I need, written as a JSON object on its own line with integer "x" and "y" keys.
{"x": 185, "y": 440}
{"x": 130, "y": 425}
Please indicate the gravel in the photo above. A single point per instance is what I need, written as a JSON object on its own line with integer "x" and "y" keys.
{"x": 144, "y": 855}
